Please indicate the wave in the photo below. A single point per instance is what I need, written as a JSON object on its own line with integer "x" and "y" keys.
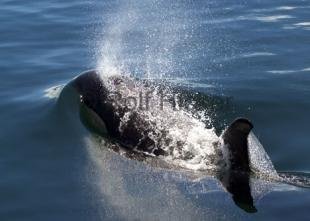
{"x": 289, "y": 71}
{"x": 251, "y": 17}
{"x": 302, "y": 24}
{"x": 257, "y": 54}
{"x": 53, "y": 92}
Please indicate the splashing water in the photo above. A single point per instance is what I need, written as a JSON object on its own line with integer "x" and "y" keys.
{"x": 185, "y": 138}
{"x": 178, "y": 131}
{"x": 142, "y": 38}
{"x": 259, "y": 159}
{"x": 148, "y": 38}
{"x": 161, "y": 28}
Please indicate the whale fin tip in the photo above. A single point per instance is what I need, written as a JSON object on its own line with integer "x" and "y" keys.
{"x": 241, "y": 125}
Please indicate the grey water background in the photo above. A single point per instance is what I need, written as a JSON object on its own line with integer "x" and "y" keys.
{"x": 255, "y": 52}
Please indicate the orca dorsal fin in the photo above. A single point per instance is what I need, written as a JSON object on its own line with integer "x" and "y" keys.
{"x": 236, "y": 144}
{"x": 236, "y": 175}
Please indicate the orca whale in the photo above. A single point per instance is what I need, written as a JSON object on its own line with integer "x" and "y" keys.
{"x": 100, "y": 103}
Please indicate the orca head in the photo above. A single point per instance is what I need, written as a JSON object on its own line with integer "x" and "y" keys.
{"x": 96, "y": 112}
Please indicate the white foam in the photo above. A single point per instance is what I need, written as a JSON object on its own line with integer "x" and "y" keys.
{"x": 286, "y": 8}
{"x": 257, "y": 54}
{"x": 197, "y": 141}
{"x": 271, "y": 18}
{"x": 289, "y": 71}
{"x": 53, "y": 92}
{"x": 250, "y": 17}
{"x": 289, "y": 27}
{"x": 302, "y": 24}
{"x": 220, "y": 21}
{"x": 280, "y": 8}
{"x": 282, "y": 71}
{"x": 259, "y": 159}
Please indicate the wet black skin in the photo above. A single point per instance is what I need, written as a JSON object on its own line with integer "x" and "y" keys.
{"x": 95, "y": 98}
{"x": 236, "y": 176}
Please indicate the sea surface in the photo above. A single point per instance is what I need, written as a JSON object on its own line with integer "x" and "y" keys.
{"x": 255, "y": 52}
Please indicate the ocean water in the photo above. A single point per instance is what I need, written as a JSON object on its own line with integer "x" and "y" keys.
{"x": 255, "y": 53}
